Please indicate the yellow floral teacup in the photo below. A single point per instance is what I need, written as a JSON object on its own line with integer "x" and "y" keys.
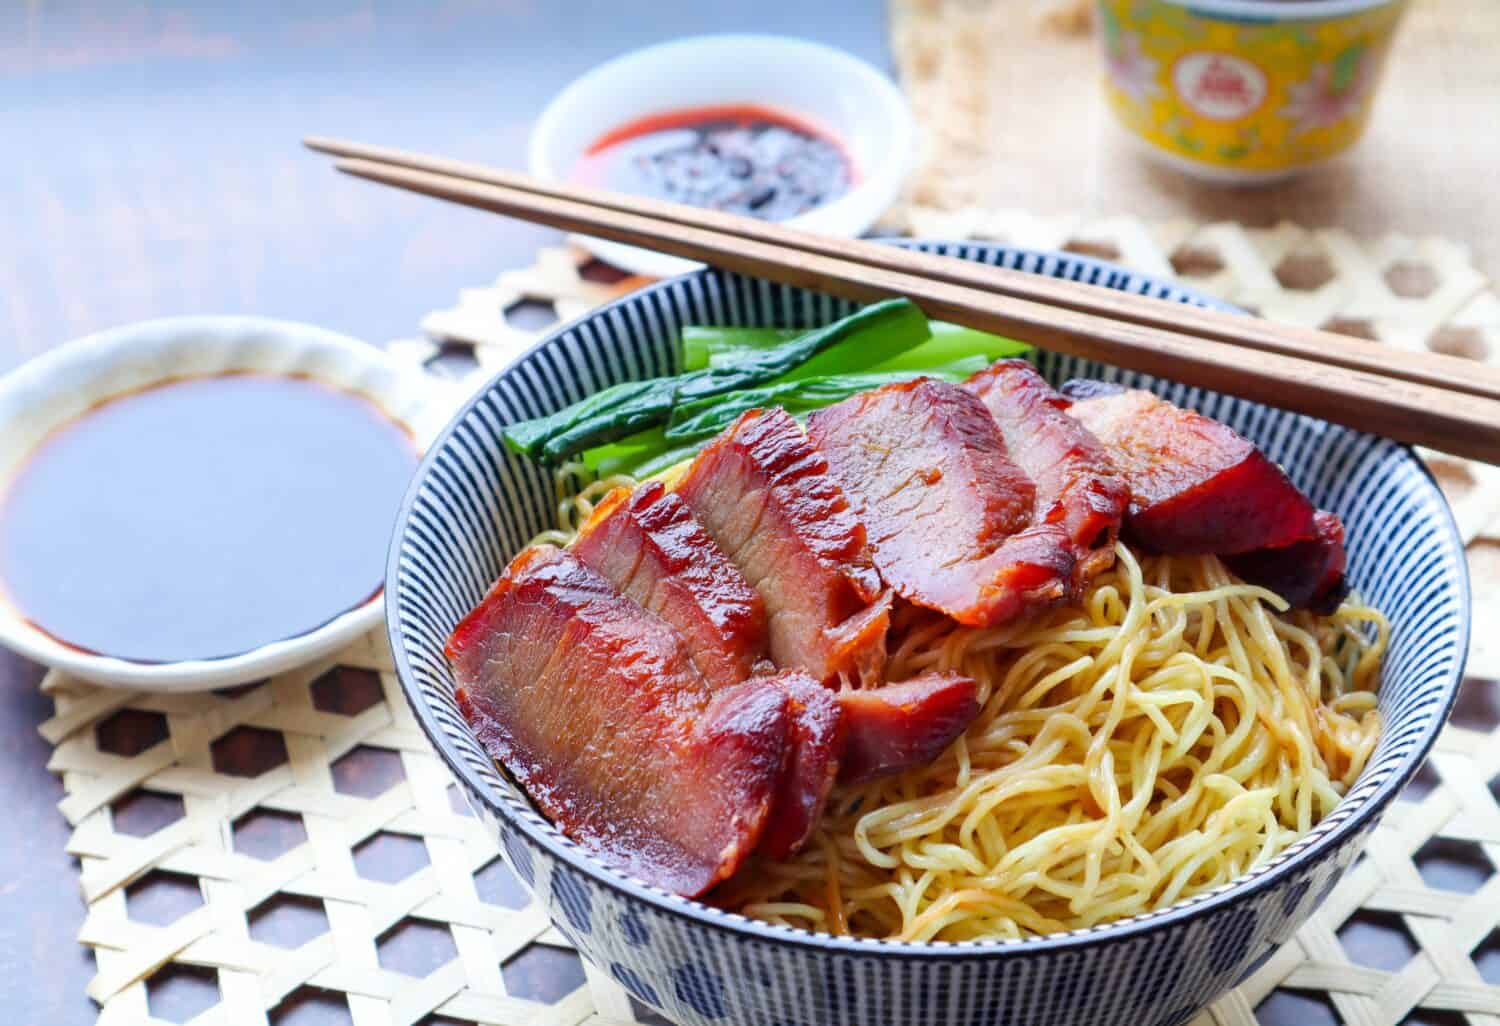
{"x": 1245, "y": 90}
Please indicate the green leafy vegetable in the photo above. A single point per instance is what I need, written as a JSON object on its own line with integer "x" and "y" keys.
{"x": 865, "y": 337}
{"x": 715, "y": 347}
{"x": 902, "y": 327}
{"x": 704, "y": 346}
{"x": 878, "y": 331}
{"x": 950, "y": 342}
{"x": 632, "y": 427}
{"x": 650, "y": 406}
{"x": 627, "y": 454}
{"x": 528, "y": 436}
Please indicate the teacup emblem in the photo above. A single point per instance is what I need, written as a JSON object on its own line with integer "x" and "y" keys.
{"x": 1220, "y": 86}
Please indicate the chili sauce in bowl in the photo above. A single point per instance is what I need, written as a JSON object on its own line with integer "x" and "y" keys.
{"x": 204, "y": 501}
{"x": 768, "y": 126}
{"x": 742, "y": 159}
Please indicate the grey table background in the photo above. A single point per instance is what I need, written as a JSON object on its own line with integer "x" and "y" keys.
{"x": 150, "y": 166}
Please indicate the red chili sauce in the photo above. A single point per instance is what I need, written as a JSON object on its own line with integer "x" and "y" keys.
{"x": 204, "y": 517}
{"x": 742, "y": 159}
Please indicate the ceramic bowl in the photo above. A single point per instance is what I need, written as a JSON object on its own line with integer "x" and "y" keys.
{"x": 1245, "y": 91}
{"x": 472, "y": 505}
{"x": 62, "y": 385}
{"x": 851, "y": 100}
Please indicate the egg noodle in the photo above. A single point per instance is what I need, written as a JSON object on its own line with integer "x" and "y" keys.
{"x": 1174, "y": 730}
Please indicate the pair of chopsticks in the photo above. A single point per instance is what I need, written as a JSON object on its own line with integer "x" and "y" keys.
{"x": 1444, "y": 402}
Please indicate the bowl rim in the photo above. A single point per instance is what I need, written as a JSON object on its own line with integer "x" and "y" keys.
{"x": 1279, "y": 10}
{"x": 874, "y": 188}
{"x": 92, "y": 358}
{"x": 702, "y": 915}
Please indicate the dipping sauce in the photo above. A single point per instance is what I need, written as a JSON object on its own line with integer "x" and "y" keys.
{"x": 204, "y": 517}
{"x": 742, "y": 159}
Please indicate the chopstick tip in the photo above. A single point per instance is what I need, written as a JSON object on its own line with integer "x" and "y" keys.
{"x": 374, "y": 171}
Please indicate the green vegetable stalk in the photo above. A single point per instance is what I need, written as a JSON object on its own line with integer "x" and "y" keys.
{"x": 704, "y": 346}
{"x": 869, "y": 335}
{"x": 950, "y": 342}
{"x": 714, "y": 347}
{"x": 634, "y": 426}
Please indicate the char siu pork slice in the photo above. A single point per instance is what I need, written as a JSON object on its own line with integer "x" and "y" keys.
{"x": 647, "y": 544}
{"x": 892, "y": 728}
{"x": 1199, "y": 486}
{"x": 1196, "y": 485}
{"x": 1309, "y": 574}
{"x": 1076, "y": 484}
{"x": 816, "y": 744}
{"x": 951, "y": 518}
{"x": 592, "y": 704}
{"x": 765, "y": 495}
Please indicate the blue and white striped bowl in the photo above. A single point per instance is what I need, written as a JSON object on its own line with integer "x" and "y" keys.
{"x": 473, "y": 505}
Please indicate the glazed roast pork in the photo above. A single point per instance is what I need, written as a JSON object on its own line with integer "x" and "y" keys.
{"x": 815, "y": 747}
{"x": 1309, "y": 573}
{"x": 1076, "y": 482}
{"x": 647, "y": 544}
{"x": 765, "y": 495}
{"x": 891, "y": 728}
{"x": 951, "y": 519}
{"x": 595, "y": 707}
{"x": 1198, "y": 486}
{"x": 687, "y": 682}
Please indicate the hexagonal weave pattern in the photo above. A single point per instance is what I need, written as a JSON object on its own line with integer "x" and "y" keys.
{"x": 293, "y": 851}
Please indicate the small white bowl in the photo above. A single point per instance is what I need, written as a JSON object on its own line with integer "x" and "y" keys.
{"x": 62, "y": 385}
{"x": 841, "y": 94}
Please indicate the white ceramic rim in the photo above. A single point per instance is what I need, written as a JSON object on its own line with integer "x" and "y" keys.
{"x": 57, "y": 387}
{"x": 848, "y": 216}
{"x": 1281, "y": 10}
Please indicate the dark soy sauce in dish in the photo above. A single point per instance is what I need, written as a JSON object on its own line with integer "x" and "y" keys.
{"x": 204, "y": 517}
{"x": 741, "y": 159}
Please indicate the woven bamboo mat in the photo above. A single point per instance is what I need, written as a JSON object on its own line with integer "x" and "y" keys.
{"x": 293, "y": 852}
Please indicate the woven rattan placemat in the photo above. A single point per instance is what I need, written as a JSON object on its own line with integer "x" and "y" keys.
{"x": 294, "y": 847}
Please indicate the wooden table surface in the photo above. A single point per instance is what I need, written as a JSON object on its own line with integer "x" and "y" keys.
{"x": 153, "y": 169}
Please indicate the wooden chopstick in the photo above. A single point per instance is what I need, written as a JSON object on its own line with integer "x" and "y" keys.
{"x": 1438, "y": 370}
{"x": 1460, "y": 423}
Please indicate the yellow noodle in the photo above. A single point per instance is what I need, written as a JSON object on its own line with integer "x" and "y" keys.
{"x": 1174, "y": 730}
{"x": 577, "y": 495}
